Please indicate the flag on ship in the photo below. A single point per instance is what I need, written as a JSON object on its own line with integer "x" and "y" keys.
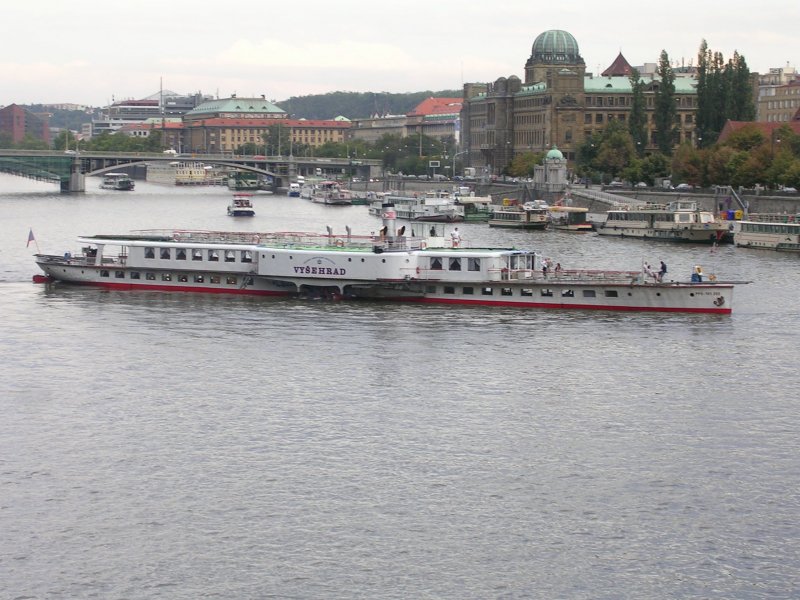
{"x": 30, "y": 238}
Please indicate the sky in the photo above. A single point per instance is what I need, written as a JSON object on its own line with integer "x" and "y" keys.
{"x": 93, "y": 53}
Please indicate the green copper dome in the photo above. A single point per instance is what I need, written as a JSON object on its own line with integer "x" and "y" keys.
{"x": 554, "y": 154}
{"x": 556, "y": 46}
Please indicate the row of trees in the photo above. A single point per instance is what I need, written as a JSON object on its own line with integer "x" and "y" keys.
{"x": 724, "y": 93}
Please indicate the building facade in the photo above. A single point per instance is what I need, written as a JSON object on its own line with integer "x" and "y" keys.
{"x": 18, "y": 122}
{"x": 558, "y": 104}
{"x": 433, "y": 117}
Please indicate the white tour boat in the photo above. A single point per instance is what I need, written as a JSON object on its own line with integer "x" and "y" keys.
{"x": 530, "y": 215}
{"x": 117, "y": 181}
{"x": 678, "y": 221}
{"x": 388, "y": 266}
{"x": 769, "y": 231}
{"x": 433, "y": 207}
{"x": 241, "y": 206}
{"x": 329, "y": 193}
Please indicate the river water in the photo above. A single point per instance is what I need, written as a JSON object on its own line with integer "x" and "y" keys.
{"x": 158, "y": 445}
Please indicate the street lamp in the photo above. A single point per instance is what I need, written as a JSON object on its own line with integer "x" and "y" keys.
{"x": 454, "y": 159}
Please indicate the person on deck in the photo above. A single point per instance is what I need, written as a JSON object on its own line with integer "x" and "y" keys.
{"x": 455, "y": 237}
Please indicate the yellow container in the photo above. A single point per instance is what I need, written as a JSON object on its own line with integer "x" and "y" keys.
{"x": 738, "y": 215}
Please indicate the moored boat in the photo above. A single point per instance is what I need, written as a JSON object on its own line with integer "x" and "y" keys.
{"x": 569, "y": 218}
{"x": 436, "y": 206}
{"x": 329, "y": 193}
{"x": 769, "y": 231}
{"x": 241, "y": 206}
{"x": 389, "y": 266}
{"x": 678, "y": 221}
{"x": 530, "y": 215}
{"x": 117, "y": 181}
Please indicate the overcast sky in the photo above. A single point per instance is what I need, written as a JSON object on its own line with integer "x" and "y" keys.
{"x": 91, "y": 52}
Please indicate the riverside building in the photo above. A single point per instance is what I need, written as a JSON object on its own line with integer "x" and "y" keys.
{"x": 559, "y": 104}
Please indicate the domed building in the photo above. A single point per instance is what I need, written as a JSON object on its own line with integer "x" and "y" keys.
{"x": 558, "y": 104}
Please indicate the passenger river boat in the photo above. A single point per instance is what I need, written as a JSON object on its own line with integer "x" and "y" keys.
{"x": 678, "y": 221}
{"x": 117, "y": 181}
{"x": 389, "y": 266}
{"x": 530, "y": 215}
{"x": 770, "y": 232}
{"x": 241, "y": 206}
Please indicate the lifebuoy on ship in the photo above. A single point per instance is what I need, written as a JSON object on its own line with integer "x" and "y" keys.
{"x": 339, "y": 243}
{"x": 719, "y": 301}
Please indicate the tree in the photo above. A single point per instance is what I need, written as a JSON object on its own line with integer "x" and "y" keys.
{"x": 64, "y": 140}
{"x": 523, "y": 164}
{"x": 637, "y": 121}
{"x": 616, "y": 149}
{"x": 687, "y": 165}
{"x": 724, "y": 91}
{"x": 665, "y": 113}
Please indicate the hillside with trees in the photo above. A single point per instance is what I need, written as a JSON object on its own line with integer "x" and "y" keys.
{"x": 358, "y": 105}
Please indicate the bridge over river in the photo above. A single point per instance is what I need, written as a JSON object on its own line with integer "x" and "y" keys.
{"x": 69, "y": 169}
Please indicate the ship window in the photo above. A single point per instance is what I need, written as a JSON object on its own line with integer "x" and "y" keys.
{"x": 150, "y": 276}
{"x": 180, "y": 254}
{"x": 430, "y": 289}
{"x": 487, "y": 291}
{"x": 231, "y": 280}
{"x": 213, "y": 255}
{"x": 166, "y": 277}
{"x": 183, "y": 278}
{"x": 473, "y": 264}
{"x": 149, "y": 252}
{"x": 247, "y": 256}
{"x": 119, "y": 274}
{"x": 455, "y": 264}
{"x": 611, "y": 293}
{"x": 103, "y": 273}
{"x": 436, "y": 263}
{"x": 506, "y": 292}
{"x": 589, "y": 293}
{"x": 449, "y": 289}
{"x": 197, "y": 254}
{"x": 567, "y": 294}
{"x": 199, "y": 278}
{"x": 166, "y": 254}
{"x": 526, "y": 292}
{"x": 468, "y": 291}
{"x": 230, "y": 256}
{"x": 136, "y": 275}
{"x": 214, "y": 279}
{"x": 546, "y": 292}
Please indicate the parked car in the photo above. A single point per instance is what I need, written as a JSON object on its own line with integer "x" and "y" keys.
{"x": 684, "y": 187}
{"x": 641, "y": 184}
{"x": 789, "y": 190}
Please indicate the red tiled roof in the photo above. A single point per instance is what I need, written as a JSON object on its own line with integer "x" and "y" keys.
{"x": 436, "y": 106}
{"x": 619, "y": 67}
{"x": 765, "y": 127}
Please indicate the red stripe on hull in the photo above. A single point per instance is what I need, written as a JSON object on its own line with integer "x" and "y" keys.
{"x": 556, "y": 306}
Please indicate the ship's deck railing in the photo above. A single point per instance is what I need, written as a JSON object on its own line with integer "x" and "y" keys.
{"x": 573, "y": 275}
{"x": 293, "y": 239}
{"x": 773, "y": 218}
